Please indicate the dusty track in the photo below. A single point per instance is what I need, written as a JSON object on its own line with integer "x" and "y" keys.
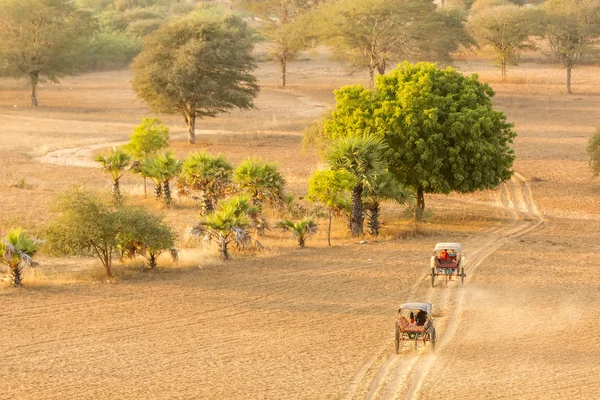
{"x": 388, "y": 376}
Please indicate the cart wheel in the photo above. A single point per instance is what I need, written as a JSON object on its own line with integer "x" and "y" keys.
{"x": 432, "y": 338}
{"x": 432, "y": 276}
{"x": 397, "y": 341}
{"x": 462, "y": 276}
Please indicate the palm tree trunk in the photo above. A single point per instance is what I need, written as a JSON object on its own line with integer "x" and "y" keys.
{"x": 116, "y": 190}
{"x": 16, "y": 275}
{"x": 329, "y": 229}
{"x": 208, "y": 205}
{"x": 223, "y": 242}
{"x": 158, "y": 191}
{"x": 374, "y": 219}
{"x": 357, "y": 216}
{"x": 34, "y": 79}
{"x": 167, "y": 192}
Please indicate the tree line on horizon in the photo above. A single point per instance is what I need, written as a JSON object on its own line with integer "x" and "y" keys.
{"x": 48, "y": 39}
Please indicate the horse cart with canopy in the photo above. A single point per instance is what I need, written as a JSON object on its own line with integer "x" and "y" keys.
{"x": 413, "y": 323}
{"x": 448, "y": 261}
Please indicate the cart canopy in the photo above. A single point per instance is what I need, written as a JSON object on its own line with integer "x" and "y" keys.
{"x": 417, "y": 306}
{"x": 448, "y": 246}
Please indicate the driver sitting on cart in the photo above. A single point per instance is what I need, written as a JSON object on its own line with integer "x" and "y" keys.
{"x": 444, "y": 256}
{"x": 421, "y": 318}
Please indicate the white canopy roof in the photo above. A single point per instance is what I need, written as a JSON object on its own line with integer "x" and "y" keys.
{"x": 448, "y": 246}
{"x": 417, "y": 306}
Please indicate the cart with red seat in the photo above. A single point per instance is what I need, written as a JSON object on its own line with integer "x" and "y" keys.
{"x": 448, "y": 261}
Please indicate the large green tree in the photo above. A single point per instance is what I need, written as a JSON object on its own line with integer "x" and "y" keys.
{"x": 441, "y": 127}
{"x": 281, "y": 23}
{"x": 571, "y": 27}
{"x": 505, "y": 30}
{"x": 42, "y": 40}
{"x": 371, "y": 35}
{"x": 198, "y": 67}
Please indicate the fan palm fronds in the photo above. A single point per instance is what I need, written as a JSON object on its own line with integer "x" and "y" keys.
{"x": 115, "y": 163}
{"x": 262, "y": 181}
{"x": 16, "y": 251}
{"x": 301, "y": 229}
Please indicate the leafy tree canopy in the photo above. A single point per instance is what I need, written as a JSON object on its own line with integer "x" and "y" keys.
{"x": 373, "y": 34}
{"x": 283, "y": 25}
{"x": 148, "y": 138}
{"x": 571, "y": 28}
{"x": 505, "y": 29}
{"x": 331, "y": 188}
{"x": 146, "y": 235}
{"x": 42, "y": 40}
{"x": 92, "y": 225}
{"x": 198, "y": 67}
{"x": 441, "y": 128}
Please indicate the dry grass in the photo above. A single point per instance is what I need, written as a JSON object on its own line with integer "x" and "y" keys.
{"x": 314, "y": 322}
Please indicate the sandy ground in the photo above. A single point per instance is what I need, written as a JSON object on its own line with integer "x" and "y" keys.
{"x": 315, "y": 323}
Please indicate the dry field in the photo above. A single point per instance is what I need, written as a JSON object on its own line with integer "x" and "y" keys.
{"x": 315, "y": 323}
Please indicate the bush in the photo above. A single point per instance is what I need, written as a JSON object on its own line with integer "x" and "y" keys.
{"x": 92, "y": 225}
{"x": 111, "y": 50}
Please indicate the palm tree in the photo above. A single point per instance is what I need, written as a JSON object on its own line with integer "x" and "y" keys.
{"x": 364, "y": 158}
{"x": 302, "y": 229}
{"x": 230, "y": 219}
{"x": 115, "y": 163}
{"x": 244, "y": 206}
{"x": 149, "y": 169}
{"x": 385, "y": 187}
{"x": 261, "y": 181}
{"x": 209, "y": 174}
{"x": 16, "y": 251}
{"x": 168, "y": 167}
